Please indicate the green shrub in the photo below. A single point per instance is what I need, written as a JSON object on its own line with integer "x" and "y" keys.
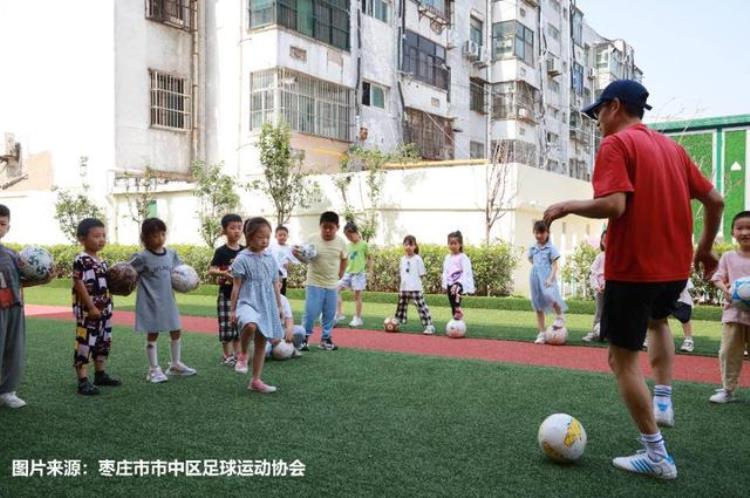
{"x": 577, "y": 269}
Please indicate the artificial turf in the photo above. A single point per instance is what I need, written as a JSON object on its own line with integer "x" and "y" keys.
{"x": 363, "y": 423}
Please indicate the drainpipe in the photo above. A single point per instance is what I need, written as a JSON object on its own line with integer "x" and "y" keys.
{"x": 488, "y": 153}
{"x": 194, "y": 133}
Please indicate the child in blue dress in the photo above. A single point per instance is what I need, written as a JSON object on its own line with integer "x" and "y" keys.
{"x": 545, "y": 296}
{"x": 256, "y": 300}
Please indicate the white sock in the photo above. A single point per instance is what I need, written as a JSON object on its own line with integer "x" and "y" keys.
{"x": 175, "y": 347}
{"x": 153, "y": 357}
{"x": 655, "y": 446}
{"x": 663, "y": 395}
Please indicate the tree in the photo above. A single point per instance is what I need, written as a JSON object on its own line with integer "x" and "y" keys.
{"x": 216, "y": 197}
{"x": 71, "y": 208}
{"x": 140, "y": 193}
{"x": 577, "y": 269}
{"x": 284, "y": 182}
{"x": 499, "y": 188}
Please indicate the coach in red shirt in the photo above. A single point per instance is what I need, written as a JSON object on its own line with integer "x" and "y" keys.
{"x": 643, "y": 182}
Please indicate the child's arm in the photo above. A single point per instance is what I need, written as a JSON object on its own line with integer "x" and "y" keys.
{"x": 553, "y": 274}
{"x": 342, "y": 265}
{"x": 444, "y": 277}
{"x": 83, "y": 295}
{"x": 236, "y": 282}
{"x": 289, "y": 329}
{"x": 720, "y": 279}
{"x": 215, "y": 271}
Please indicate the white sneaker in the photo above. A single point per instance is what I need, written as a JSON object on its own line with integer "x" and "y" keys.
{"x": 664, "y": 414}
{"x": 591, "y": 336}
{"x": 540, "y": 338}
{"x": 340, "y": 318}
{"x": 687, "y": 345}
{"x": 356, "y": 322}
{"x": 429, "y": 330}
{"x": 181, "y": 370}
{"x": 641, "y": 463}
{"x": 156, "y": 376}
{"x": 722, "y": 396}
{"x": 11, "y": 400}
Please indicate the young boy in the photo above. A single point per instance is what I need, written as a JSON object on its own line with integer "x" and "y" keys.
{"x": 231, "y": 227}
{"x": 683, "y": 311}
{"x": 12, "y": 325}
{"x": 283, "y": 255}
{"x": 323, "y": 274}
{"x": 736, "y": 334}
{"x": 92, "y": 307}
{"x": 355, "y": 276}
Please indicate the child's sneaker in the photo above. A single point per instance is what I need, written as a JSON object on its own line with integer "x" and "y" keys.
{"x": 540, "y": 338}
{"x": 356, "y": 322}
{"x": 641, "y": 463}
{"x": 103, "y": 379}
{"x": 459, "y": 314}
{"x": 590, "y": 337}
{"x": 687, "y": 345}
{"x": 229, "y": 361}
{"x": 241, "y": 365}
{"x": 304, "y": 346}
{"x": 664, "y": 414}
{"x": 429, "y": 330}
{"x": 645, "y": 344}
{"x": 339, "y": 319}
{"x": 722, "y": 396}
{"x": 180, "y": 369}
{"x": 87, "y": 388}
{"x": 259, "y": 386}
{"x": 296, "y": 354}
{"x": 328, "y": 344}
{"x": 11, "y": 400}
{"x": 156, "y": 376}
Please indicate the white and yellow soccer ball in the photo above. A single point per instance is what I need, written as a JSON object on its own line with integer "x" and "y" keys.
{"x": 36, "y": 263}
{"x": 562, "y": 438}
{"x": 390, "y": 324}
{"x": 455, "y": 329}
{"x": 556, "y": 335}
{"x": 740, "y": 292}
{"x": 185, "y": 278}
{"x": 282, "y": 351}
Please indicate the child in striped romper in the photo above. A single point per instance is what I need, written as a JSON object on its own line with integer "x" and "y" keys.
{"x": 412, "y": 270}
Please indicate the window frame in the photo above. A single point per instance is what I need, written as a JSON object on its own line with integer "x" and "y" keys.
{"x": 368, "y": 92}
{"x": 425, "y": 60}
{"x": 170, "y": 101}
{"x": 522, "y": 42}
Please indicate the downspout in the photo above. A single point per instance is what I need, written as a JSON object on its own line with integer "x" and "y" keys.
{"x": 488, "y": 94}
{"x": 399, "y": 59}
{"x": 358, "y": 83}
{"x": 195, "y": 73}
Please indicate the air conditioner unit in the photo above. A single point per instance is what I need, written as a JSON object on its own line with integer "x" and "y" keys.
{"x": 472, "y": 50}
{"x": 553, "y": 67}
{"x": 591, "y": 73}
{"x": 481, "y": 60}
{"x": 525, "y": 114}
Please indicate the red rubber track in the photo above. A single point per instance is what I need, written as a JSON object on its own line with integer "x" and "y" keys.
{"x": 689, "y": 368}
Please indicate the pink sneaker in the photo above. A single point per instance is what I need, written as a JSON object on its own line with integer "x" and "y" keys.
{"x": 459, "y": 314}
{"x": 241, "y": 365}
{"x": 258, "y": 385}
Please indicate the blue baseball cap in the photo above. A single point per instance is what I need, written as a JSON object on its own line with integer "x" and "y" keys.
{"x": 625, "y": 91}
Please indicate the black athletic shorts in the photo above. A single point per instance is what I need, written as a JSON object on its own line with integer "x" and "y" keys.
{"x": 683, "y": 312}
{"x": 628, "y": 307}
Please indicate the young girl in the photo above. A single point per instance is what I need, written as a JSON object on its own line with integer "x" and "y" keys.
{"x": 412, "y": 270}
{"x": 155, "y": 305}
{"x": 544, "y": 258}
{"x": 355, "y": 275}
{"x": 256, "y": 300}
{"x": 458, "y": 278}
{"x": 597, "y": 283}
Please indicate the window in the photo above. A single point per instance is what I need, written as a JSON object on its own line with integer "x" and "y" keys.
{"x": 177, "y": 13}
{"x": 170, "y": 101}
{"x": 425, "y": 60}
{"x": 476, "y": 30}
{"x": 373, "y": 95}
{"x": 476, "y": 95}
{"x": 512, "y": 39}
{"x": 553, "y": 84}
{"x": 325, "y": 20}
{"x": 553, "y": 32}
{"x": 602, "y": 57}
{"x": 509, "y": 97}
{"x": 436, "y": 6}
{"x": 431, "y": 134}
{"x": 376, "y": 8}
{"x": 577, "y": 27}
{"x": 552, "y": 138}
{"x": 576, "y": 81}
{"x": 307, "y": 105}
{"x": 151, "y": 209}
{"x": 514, "y": 151}
{"x": 476, "y": 150}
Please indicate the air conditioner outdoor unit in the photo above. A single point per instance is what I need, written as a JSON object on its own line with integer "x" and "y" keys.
{"x": 524, "y": 114}
{"x": 472, "y": 50}
{"x": 481, "y": 60}
{"x": 553, "y": 67}
{"x": 591, "y": 73}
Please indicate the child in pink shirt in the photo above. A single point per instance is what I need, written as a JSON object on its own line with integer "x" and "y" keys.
{"x": 736, "y": 333}
{"x": 596, "y": 279}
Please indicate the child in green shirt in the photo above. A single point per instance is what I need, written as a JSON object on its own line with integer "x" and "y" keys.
{"x": 355, "y": 276}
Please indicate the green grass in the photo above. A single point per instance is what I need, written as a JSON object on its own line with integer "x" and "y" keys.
{"x": 364, "y": 423}
{"x": 490, "y": 323}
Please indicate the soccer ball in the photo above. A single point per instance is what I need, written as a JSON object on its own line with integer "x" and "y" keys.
{"x": 36, "y": 263}
{"x": 390, "y": 324}
{"x": 740, "y": 292}
{"x": 122, "y": 279}
{"x": 562, "y": 438}
{"x": 184, "y": 278}
{"x": 556, "y": 335}
{"x": 456, "y": 329}
{"x": 282, "y": 351}
{"x": 307, "y": 252}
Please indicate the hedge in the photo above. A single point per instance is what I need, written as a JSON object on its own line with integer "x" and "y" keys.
{"x": 493, "y": 265}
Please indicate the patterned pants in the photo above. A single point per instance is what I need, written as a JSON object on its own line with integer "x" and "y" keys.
{"x": 418, "y": 298}
{"x": 454, "y": 296}
{"x": 227, "y": 331}
{"x": 93, "y": 338}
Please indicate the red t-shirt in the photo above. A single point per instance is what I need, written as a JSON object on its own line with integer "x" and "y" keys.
{"x": 652, "y": 240}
